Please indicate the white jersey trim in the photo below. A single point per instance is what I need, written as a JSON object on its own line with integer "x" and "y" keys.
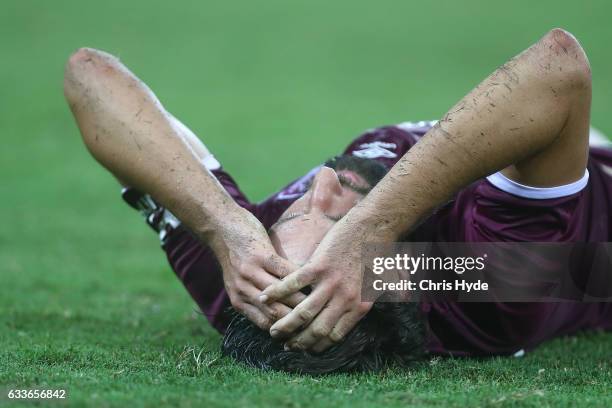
{"x": 411, "y": 125}
{"x": 211, "y": 163}
{"x": 537, "y": 193}
{"x": 598, "y": 139}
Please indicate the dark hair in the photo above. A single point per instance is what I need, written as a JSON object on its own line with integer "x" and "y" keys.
{"x": 390, "y": 334}
{"x": 371, "y": 170}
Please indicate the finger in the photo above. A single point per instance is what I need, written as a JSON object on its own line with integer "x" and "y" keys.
{"x": 279, "y": 266}
{"x": 323, "y": 345}
{"x": 277, "y": 311}
{"x": 320, "y": 327}
{"x": 302, "y": 315}
{"x": 262, "y": 280}
{"x": 289, "y": 285}
{"x": 273, "y": 311}
{"x": 255, "y": 315}
{"x": 345, "y": 325}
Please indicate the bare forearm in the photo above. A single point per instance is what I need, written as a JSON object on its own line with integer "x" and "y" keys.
{"x": 528, "y": 114}
{"x": 511, "y": 119}
{"x": 129, "y": 132}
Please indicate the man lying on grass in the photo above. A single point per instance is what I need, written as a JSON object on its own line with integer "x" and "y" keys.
{"x": 512, "y": 156}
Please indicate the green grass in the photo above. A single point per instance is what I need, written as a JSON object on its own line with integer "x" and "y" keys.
{"x": 87, "y": 302}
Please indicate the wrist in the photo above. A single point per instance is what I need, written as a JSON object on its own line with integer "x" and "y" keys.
{"x": 368, "y": 227}
{"x": 387, "y": 217}
{"x": 380, "y": 223}
{"x": 217, "y": 226}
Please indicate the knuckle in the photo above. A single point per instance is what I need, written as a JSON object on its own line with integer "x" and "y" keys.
{"x": 363, "y": 308}
{"x": 351, "y": 297}
{"x": 273, "y": 262}
{"x": 237, "y": 304}
{"x": 263, "y": 323}
{"x": 315, "y": 267}
{"x": 232, "y": 297}
{"x": 336, "y": 336}
{"x": 245, "y": 274}
{"x": 285, "y": 288}
{"x": 240, "y": 290}
{"x": 295, "y": 284}
{"x": 308, "y": 274}
{"x": 320, "y": 331}
{"x": 235, "y": 300}
{"x": 305, "y": 315}
{"x": 334, "y": 282}
{"x": 274, "y": 313}
{"x": 295, "y": 299}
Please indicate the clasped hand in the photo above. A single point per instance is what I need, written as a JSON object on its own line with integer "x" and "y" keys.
{"x": 334, "y": 305}
{"x": 252, "y": 273}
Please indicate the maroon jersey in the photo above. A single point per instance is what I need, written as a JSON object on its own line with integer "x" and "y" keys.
{"x": 493, "y": 209}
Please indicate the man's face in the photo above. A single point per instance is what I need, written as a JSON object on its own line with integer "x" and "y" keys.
{"x": 300, "y": 229}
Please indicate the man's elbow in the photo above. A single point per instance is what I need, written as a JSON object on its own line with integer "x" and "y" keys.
{"x": 82, "y": 67}
{"x": 566, "y": 58}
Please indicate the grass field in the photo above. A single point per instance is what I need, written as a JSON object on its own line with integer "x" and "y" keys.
{"x": 87, "y": 302}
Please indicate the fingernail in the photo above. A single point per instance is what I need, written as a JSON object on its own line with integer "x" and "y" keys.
{"x": 273, "y": 333}
{"x": 263, "y": 298}
{"x": 286, "y": 347}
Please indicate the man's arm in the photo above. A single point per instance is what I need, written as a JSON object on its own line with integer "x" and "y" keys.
{"x": 128, "y": 131}
{"x": 529, "y": 118}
